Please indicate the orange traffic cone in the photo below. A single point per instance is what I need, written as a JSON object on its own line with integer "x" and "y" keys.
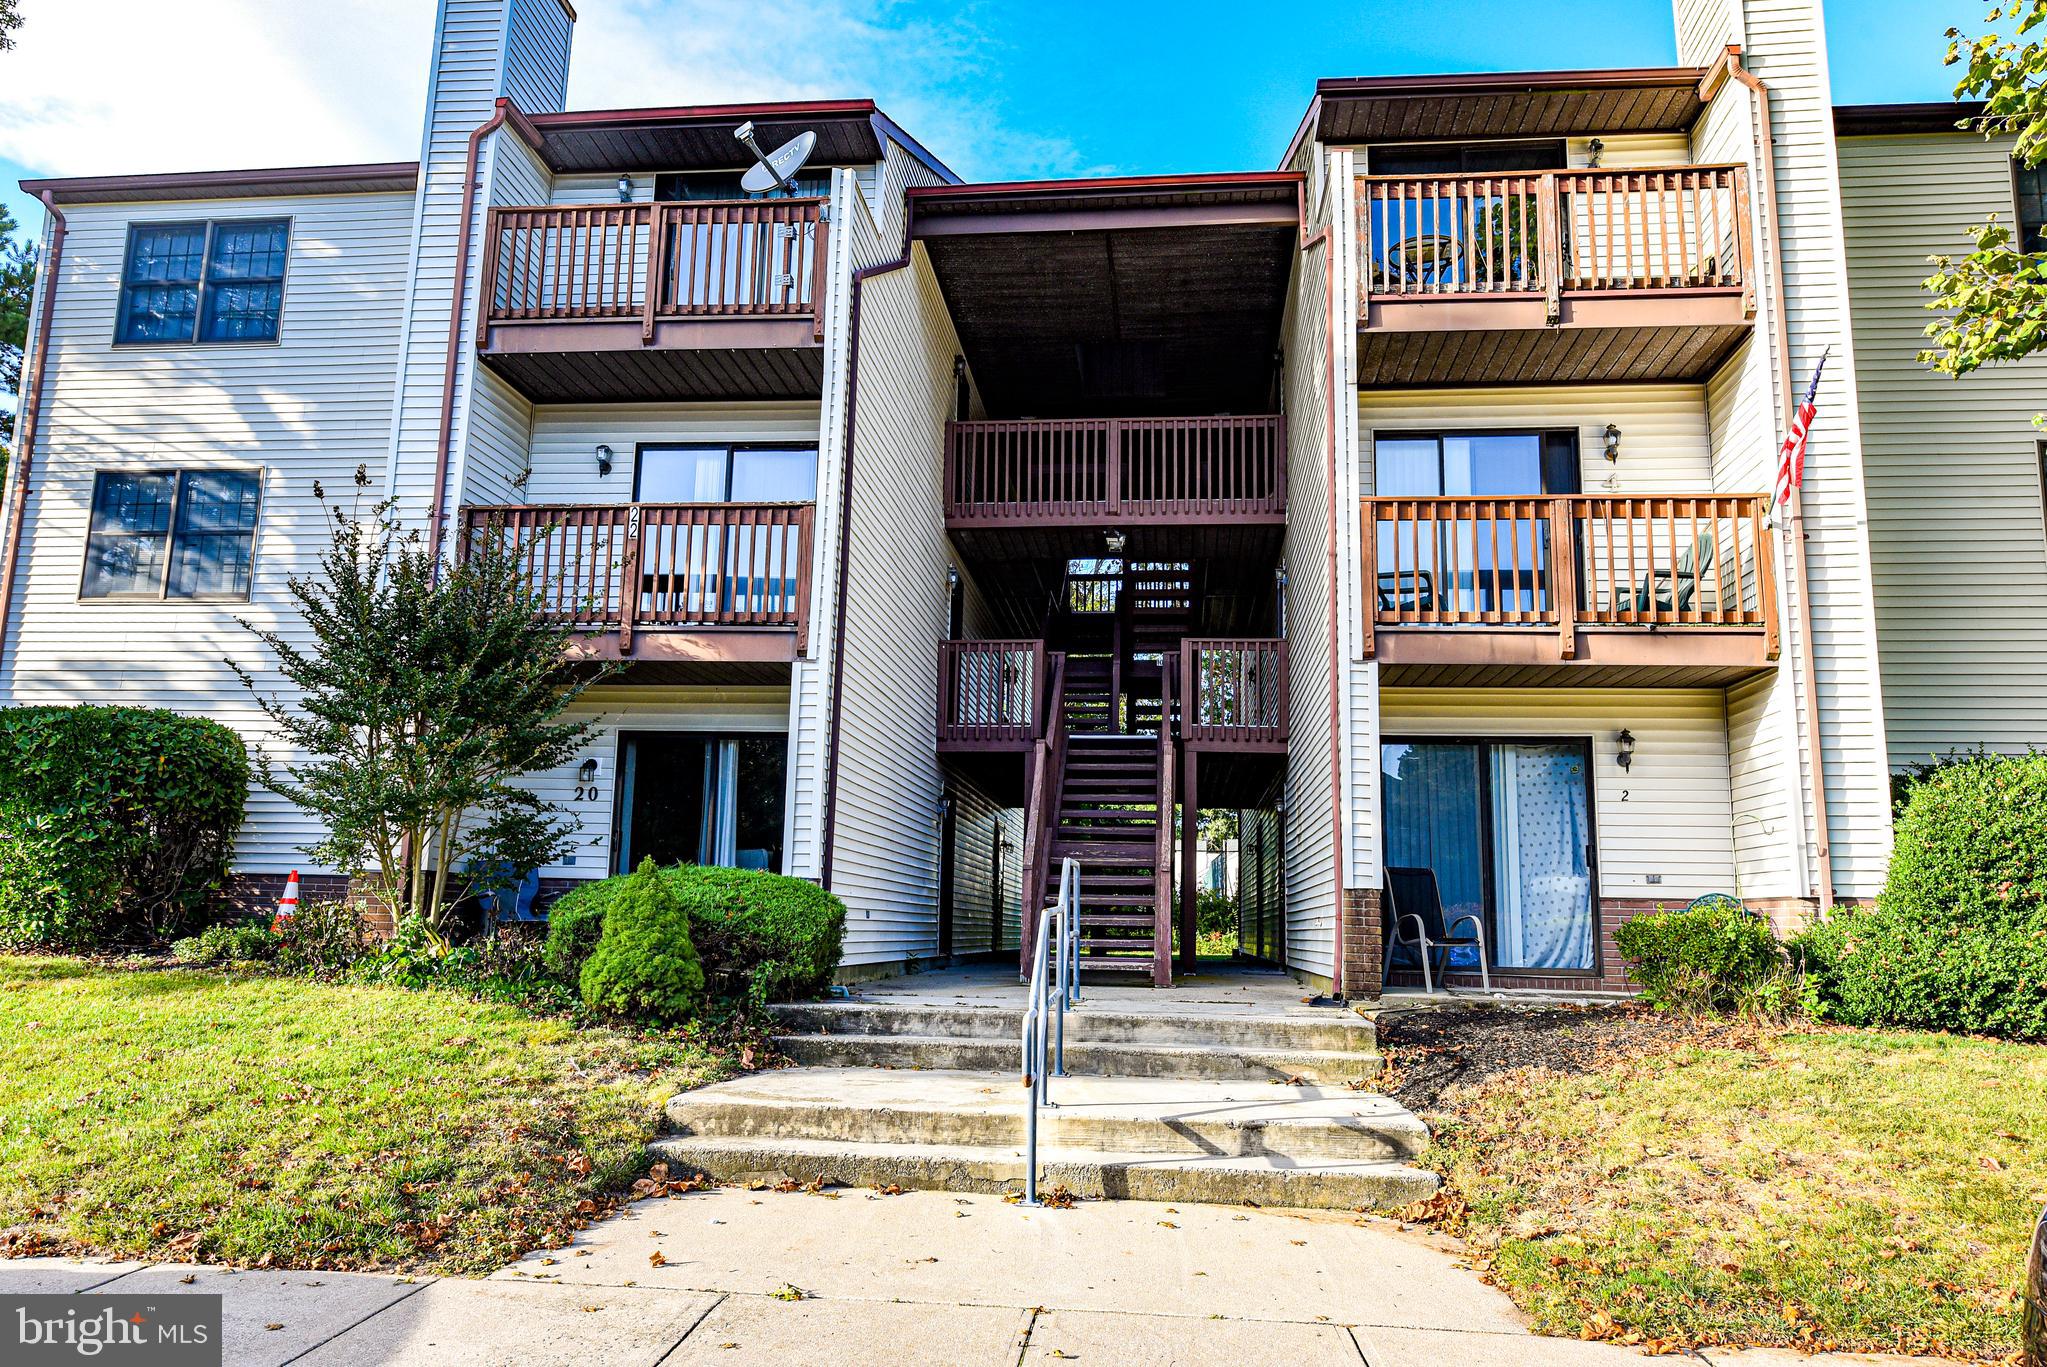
{"x": 287, "y": 905}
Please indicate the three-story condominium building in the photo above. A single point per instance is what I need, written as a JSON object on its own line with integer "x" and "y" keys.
{"x": 1412, "y": 500}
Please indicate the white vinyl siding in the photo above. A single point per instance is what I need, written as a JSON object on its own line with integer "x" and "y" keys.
{"x": 978, "y": 824}
{"x": 886, "y": 852}
{"x": 1310, "y": 844}
{"x": 1953, "y": 466}
{"x": 313, "y": 406}
{"x": 566, "y": 437}
{"x": 1669, "y": 816}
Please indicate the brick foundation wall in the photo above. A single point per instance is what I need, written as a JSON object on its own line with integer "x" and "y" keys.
{"x": 1364, "y": 953}
{"x": 256, "y": 894}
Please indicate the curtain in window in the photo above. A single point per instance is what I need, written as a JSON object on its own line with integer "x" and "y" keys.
{"x": 1541, "y": 834}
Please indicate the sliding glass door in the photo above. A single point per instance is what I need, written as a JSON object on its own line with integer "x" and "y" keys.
{"x": 691, "y": 798}
{"x": 1506, "y": 828}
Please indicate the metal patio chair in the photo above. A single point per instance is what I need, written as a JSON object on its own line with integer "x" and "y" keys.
{"x": 1415, "y": 902}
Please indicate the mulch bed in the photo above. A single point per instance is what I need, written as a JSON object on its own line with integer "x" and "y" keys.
{"x": 1431, "y": 1051}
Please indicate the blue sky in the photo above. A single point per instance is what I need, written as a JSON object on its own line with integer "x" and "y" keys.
{"x": 1047, "y": 88}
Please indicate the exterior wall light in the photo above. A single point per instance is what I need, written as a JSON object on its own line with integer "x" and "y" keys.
{"x": 1114, "y": 540}
{"x": 1613, "y": 442}
{"x": 1624, "y": 750}
{"x": 603, "y": 461}
{"x": 587, "y": 772}
{"x": 625, "y": 189}
{"x": 1597, "y": 149}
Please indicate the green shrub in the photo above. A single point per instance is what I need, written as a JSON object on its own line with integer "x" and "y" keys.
{"x": 228, "y": 943}
{"x": 324, "y": 940}
{"x": 762, "y": 937}
{"x": 645, "y": 968}
{"x": 1215, "y": 913}
{"x": 1715, "y": 958}
{"x": 116, "y": 823}
{"x": 1957, "y": 940}
{"x": 574, "y": 924}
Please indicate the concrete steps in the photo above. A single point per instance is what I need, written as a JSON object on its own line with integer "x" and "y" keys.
{"x": 1134, "y": 1138}
{"x": 1082, "y": 1056}
{"x": 1325, "y": 1029}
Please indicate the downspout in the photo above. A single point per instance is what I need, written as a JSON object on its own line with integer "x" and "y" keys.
{"x": 1320, "y": 238}
{"x": 31, "y": 406}
{"x": 1730, "y": 64}
{"x": 831, "y": 783}
{"x": 444, "y": 439}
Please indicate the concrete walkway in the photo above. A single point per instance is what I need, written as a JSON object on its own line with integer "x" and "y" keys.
{"x": 854, "y": 1277}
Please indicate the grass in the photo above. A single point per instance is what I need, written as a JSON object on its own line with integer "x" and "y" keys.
{"x": 250, "y": 1119}
{"x": 1811, "y": 1188}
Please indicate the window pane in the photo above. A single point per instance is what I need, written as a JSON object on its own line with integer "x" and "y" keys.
{"x": 169, "y": 254}
{"x": 159, "y": 313}
{"x": 160, "y": 302}
{"x": 1407, "y": 467}
{"x": 2032, "y": 192}
{"x": 683, "y": 474}
{"x": 131, "y": 519}
{"x": 1495, "y": 463}
{"x": 245, "y": 282}
{"x": 775, "y": 476}
{"x": 247, "y": 251}
{"x": 216, "y": 536}
{"x": 1542, "y": 834}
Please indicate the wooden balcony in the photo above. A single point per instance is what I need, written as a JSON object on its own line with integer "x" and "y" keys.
{"x": 1174, "y": 486}
{"x": 1645, "y": 591}
{"x": 991, "y": 695}
{"x": 1553, "y": 277}
{"x": 706, "y": 583}
{"x": 1233, "y": 694}
{"x": 676, "y": 301}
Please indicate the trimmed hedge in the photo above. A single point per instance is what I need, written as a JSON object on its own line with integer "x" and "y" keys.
{"x": 644, "y": 967}
{"x": 1957, "y": 940}
{"x": 116, "y": 823}
{"x": 762, "y": 937}
{"x": 227, "y": 943}
{"x": 1716, "y": 957}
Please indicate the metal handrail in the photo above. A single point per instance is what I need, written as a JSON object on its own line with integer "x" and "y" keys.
{"x": 1044, "y": 1052}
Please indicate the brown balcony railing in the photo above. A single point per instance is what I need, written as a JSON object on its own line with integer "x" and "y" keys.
{"x": 1556, "y": 232}
{"x": 706, "y": 259}
{"x": 1677, "y": 561}
{"x": 991, "y": 694}
{"x": 1134, "y": 469}
{"x": 1233, "y": 692}
{"x": 660, "y": 566}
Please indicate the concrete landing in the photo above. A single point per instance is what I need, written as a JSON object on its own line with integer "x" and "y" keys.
{"x": 1155, "y": 1139}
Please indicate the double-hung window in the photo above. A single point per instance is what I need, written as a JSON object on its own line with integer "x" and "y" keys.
{"x": 204, "y": 282}
{"x": 2030, "y": 188}
{"x": 172, "y": 534}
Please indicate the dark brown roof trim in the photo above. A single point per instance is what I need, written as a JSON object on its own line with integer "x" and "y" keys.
{"x": 1273, "y": 185}
{"x": 1498, "y": 82}
{"x": 362, "y": 179}
{"x": 1933, "y": 116}
{"x": 673, "y": 138}
{"x": 1499, "y": 104}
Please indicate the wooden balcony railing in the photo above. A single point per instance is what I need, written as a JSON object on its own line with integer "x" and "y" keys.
{"x": 1556, "y": 232}
{"x": 1684, "y": 561}
{"x": 991, "y": 694}
{"x": 705, "y": 259}
{"x": 660, "y": 566}
{"x": 1233, "y": 692}
{"x": 1133, "y": 469}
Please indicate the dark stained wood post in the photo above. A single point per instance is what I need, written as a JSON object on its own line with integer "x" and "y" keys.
{"x": 1368, "y": 521}
{"x": 1190, "y": 848}
{"x": 1563, "y": 574}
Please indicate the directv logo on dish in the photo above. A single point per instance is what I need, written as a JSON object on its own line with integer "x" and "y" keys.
{"x": 165, "y": 1331}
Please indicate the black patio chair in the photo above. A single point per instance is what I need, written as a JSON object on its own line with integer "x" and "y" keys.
{"x": 1414, "y": 902}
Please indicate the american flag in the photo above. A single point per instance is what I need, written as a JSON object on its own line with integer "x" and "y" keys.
{"x": 1791, "y": 456}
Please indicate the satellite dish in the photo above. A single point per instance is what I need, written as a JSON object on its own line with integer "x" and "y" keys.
{"x": 773, "y": 169}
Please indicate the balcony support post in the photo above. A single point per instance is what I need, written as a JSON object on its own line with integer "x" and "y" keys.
{"x": 1549, "y": 250}
{"x": 1368, "y": 543}
{"x": 650, "y": 287}
{"x": 629, "y": 583}
{"x": 1563, "y": 574}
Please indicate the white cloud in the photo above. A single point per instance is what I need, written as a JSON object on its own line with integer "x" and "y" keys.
{"x": 120, "y": 86}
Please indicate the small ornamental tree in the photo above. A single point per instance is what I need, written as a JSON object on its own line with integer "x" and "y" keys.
{"x": 1993, "y": 301}
{"x": 424, "y": 690}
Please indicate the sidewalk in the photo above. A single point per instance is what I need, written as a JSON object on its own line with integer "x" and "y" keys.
{"x": 853, "y": 1277}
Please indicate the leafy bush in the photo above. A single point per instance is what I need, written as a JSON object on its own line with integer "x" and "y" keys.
{"x": 324, "y": 940}
{"x": 1215, "y": 913}
{"x": 116, "y": 823}
{"x": 645, "y": 968}
{"x": 230, "y": 943}
{"x": 762, "y": 937}
{"x": 1717, "y": 957}
{"x": 1957, "y": 940}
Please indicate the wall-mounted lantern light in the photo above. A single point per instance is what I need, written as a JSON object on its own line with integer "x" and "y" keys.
{"x": 587, "y": 773}
{"x": 1624, "y": 750}
{"x": 1597, "y": 148}
{"x": 1114, "y": 540}
{"x": 625, "y": 189}
{"x": 1613, "y": 442}
{"x": 603, "y": 461}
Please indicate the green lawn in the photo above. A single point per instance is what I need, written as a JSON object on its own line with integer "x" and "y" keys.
{"x": 242, "y": 1118}
{"x": 1813, "y": 1188}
